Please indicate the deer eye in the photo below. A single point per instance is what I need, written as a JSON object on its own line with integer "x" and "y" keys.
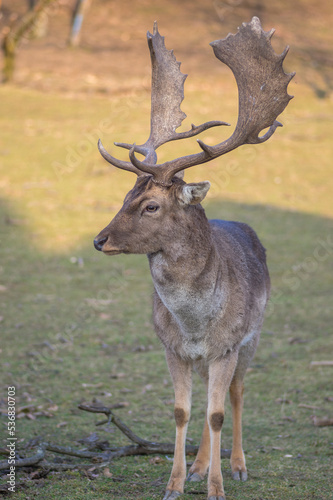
{"x": 151, "y": 208}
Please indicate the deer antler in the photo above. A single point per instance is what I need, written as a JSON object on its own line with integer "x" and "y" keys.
{"x": 262, "y": 86}
{"x": 167, "y": 94}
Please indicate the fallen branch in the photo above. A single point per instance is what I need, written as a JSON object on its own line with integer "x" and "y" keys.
{"x": 143, "y": 447}
{"x": 322, "y": 422}
{"x": 51, "y": 466}
{"x": 4, "y": 488}
{"x": 68, "y": 450}
{"x": 321, "y": 363}
{"x": 117, "y": 422}
{"x": 25, "y": 462}
{"x": 309, "y": 407}
{"x": 100, "y": 459}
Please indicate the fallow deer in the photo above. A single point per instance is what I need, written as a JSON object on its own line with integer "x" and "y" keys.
{"x": 211, "y": 282}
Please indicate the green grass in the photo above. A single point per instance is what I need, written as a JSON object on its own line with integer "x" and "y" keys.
{"x": 73, "y": 319}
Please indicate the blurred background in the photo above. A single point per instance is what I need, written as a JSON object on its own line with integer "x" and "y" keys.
{"x": 76, "y": 70}
{"x": 109, "y": 39}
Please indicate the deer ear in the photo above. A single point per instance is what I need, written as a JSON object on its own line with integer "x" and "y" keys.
{"x": 180, "y": 174}
{"x": 193, "y": 193}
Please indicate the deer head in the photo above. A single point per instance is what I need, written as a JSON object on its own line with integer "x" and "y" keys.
{"x": 159, "y": 196}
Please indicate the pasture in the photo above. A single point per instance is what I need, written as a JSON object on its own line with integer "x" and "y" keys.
{"x": 76, "y": 326}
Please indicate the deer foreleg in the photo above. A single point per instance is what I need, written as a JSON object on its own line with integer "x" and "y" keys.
{"x": 181, "y": 373}
{"x": 220, "y": 376}
{"x": 200, "y": 466}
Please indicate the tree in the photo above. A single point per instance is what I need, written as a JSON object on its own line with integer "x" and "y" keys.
{"x": 80, "y": 10}
{"x": 16, "y": 32}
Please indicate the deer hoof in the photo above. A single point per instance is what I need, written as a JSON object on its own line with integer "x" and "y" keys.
{"x": 194, "y": 477}
{"x": 240, "y": 476}
{"x": 216, "y": 498}
{"x": 171, "y": 495}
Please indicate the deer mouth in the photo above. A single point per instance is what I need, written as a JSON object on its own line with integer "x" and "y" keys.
{"x": 109, "y": 250}
{"x": 113, "y": 252}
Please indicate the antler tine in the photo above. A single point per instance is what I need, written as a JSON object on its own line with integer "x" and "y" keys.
{"x": 262, "y": 85}
{"x": 150, "y": 156}
{"x": 124, "y": 165}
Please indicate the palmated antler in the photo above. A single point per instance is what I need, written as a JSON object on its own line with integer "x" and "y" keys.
{"x": 167, "y": 94}
{"x": 262, "y": 86}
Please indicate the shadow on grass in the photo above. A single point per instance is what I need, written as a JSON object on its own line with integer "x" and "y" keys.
{"x": 77, "y": 327}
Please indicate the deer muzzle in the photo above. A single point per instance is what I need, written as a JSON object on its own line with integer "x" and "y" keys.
{"x": 108, "y": 244}
{"x": 99, "y": 243}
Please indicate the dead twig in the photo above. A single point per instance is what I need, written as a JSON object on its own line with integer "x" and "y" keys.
{"x": 309, "y": 407}
{"x": 322, "y": 422}
{"x": 98, "y": 460}
{"x": 117, "y": 422}
{"x": 51, "y": 466}
{"x": 25, "y": 462}
{"x": 68, "y": 450}
{"x": 143, "y": 447}
{"x": 321, "y": 363}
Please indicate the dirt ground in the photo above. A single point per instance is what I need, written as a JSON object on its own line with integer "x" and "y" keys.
{"x": 111, "y": 58}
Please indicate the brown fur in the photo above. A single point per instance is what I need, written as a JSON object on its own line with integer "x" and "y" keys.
{"x": 180, "y": 417}
{"x": 216, "y": 421}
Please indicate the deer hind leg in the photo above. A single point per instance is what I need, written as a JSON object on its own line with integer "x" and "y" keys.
{"x": 220, "y": 376}
{"x": 181, "y": 373}
{"x": 246, "y": 353}
{"x": 200, "y": 466}
{"x": 238, "y": 467}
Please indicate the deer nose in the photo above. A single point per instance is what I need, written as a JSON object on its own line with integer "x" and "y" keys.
{"x": 98, "y": 243}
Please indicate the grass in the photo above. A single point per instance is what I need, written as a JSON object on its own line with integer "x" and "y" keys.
{"x": 72, "y": 320}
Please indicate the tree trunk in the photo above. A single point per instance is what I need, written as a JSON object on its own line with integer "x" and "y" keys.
{"x": 16, "y": 33}
{"x": 80, "y": 10}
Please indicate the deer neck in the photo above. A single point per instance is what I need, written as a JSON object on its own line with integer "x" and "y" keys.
{"x": 186, "y": 250}
{"x": 187, "y": 275}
